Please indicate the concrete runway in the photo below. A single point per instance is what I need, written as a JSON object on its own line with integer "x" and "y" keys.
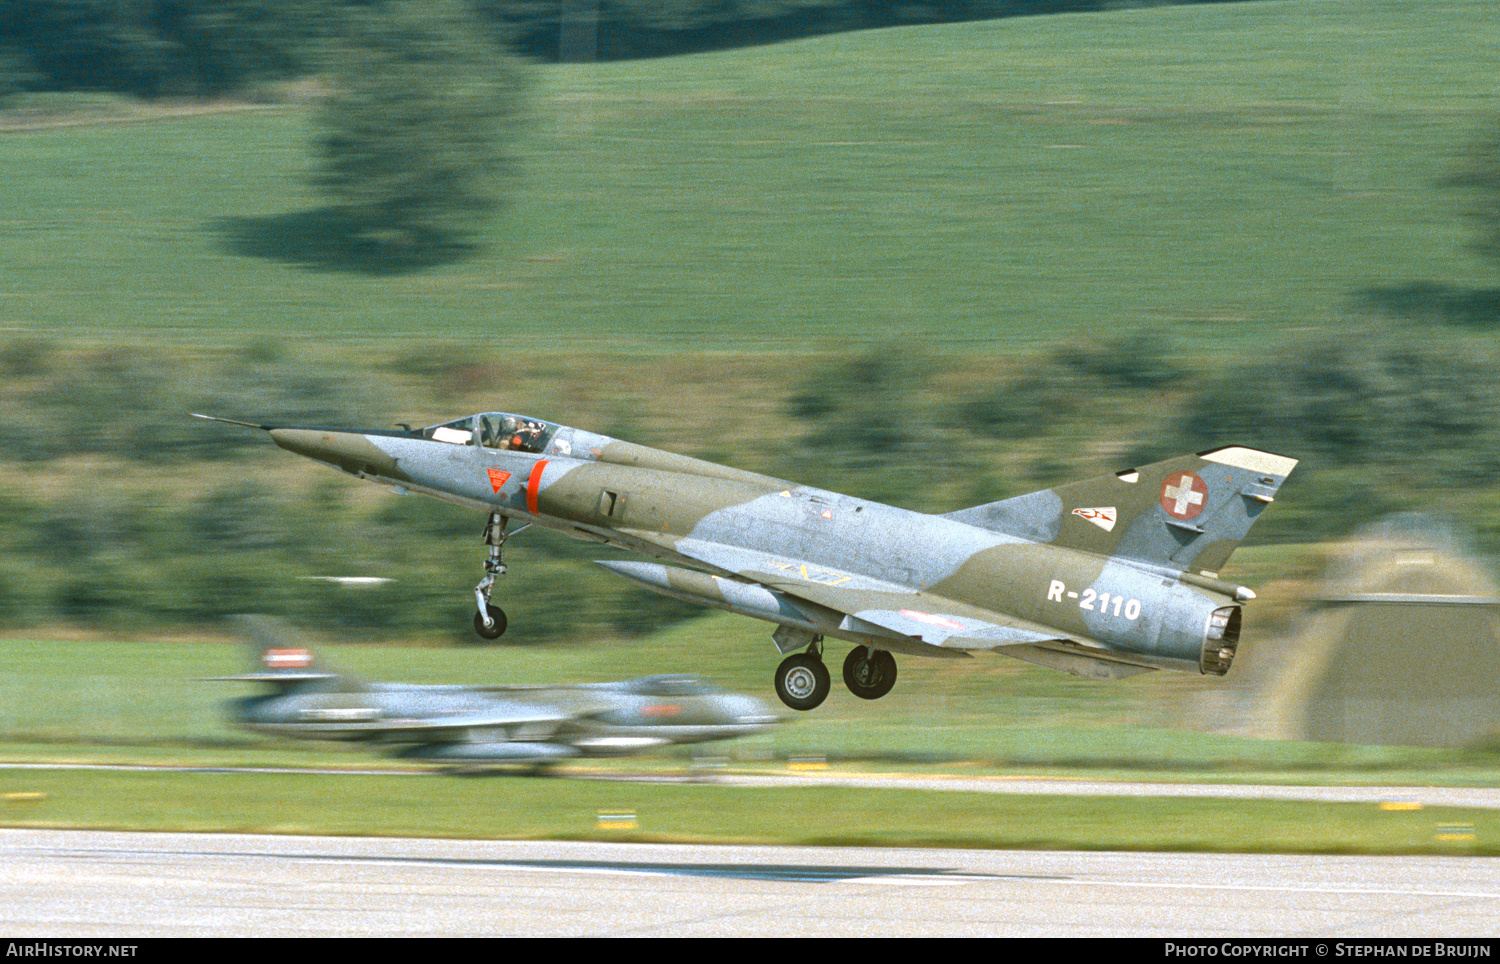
{"x": 122, "y": 885}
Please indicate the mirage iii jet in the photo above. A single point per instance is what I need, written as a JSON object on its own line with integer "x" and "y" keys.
{"x": 478, "y": 725}
{"x": 1104, "y": 578}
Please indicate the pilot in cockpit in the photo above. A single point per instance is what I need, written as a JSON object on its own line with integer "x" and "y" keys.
{"x": 516, "y": 434}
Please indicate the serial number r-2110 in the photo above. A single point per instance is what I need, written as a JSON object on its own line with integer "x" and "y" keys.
{"x": 1095, "y": 602}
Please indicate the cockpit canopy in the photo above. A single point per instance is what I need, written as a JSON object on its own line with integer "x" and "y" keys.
{"x": 495, "y": 430}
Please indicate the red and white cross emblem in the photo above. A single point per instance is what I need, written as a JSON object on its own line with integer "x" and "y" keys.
{"x": 1183, "y": 495}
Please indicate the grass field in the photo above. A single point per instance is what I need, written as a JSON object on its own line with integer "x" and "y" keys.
{"x": 119, "y": 701}
{"x": 513, "y": 808}
{"x": 1228, "y": 173}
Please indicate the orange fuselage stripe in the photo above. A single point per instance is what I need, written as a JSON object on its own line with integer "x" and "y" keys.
{"x": 533, "y": 484}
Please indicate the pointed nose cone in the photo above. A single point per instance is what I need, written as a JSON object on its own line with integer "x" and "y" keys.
{"x": 349, "y": 451}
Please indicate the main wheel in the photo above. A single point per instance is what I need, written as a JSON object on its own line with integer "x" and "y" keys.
{"x": 802, "y": 681}
{"x": 494, "y": 631}
{"x": 869, "y": 675}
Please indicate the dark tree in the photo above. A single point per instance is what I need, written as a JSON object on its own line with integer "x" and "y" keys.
{"x": 1480, "y": 176}
{"x": 416, "y": 128}
{"x": 152, "y": 48}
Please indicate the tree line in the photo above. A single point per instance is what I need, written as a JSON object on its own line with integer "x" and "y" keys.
{"x": 204, "y": 48}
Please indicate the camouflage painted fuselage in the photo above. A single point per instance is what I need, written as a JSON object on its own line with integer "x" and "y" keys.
{"x": 1103, "y": 578}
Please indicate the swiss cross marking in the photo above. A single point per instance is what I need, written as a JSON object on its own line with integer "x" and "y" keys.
{"x": 1183, "y": 495}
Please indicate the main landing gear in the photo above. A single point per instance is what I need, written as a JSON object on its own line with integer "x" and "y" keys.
{"x": 490, "y": 621}
{"x": 802, "y": 679}
{"x": 869, "y": 673}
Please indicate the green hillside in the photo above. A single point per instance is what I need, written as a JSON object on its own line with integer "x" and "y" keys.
{"x": 1227, "y": 172}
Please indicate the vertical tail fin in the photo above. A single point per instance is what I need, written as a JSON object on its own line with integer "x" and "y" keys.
{"x": 1188, "y": 512}
{"x": 281, "y": 655}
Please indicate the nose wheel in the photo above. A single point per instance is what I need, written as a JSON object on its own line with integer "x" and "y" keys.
{"x": 494, "y": 626}
{"x": 802, "y": 681}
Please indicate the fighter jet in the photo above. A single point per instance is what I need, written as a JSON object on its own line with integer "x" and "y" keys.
{"x": 482, "y": 725}
{"x": 1104, "y": 578}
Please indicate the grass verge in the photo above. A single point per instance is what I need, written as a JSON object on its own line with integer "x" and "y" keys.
{"x": 519, "y": 808}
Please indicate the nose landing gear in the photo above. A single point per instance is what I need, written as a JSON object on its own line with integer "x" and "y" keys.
{"x": 490, "y": 621}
